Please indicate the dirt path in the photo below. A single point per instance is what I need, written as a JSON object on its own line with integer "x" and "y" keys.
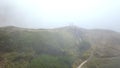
{"x": 80, "y": 66}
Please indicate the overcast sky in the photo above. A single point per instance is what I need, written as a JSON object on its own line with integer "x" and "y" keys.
{"x": 103, "y": 14}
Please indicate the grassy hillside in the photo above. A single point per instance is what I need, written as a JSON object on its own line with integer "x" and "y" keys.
{"x": 64, "y": 47}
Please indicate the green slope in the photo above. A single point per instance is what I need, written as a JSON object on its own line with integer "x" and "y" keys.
{"x": 28, "y": 48}
{"x": 64, "y": 47}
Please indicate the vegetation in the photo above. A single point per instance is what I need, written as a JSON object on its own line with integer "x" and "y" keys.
{"x": 56, "y": 48}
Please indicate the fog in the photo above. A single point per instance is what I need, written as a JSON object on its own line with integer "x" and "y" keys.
{"x": 90, "y": 14}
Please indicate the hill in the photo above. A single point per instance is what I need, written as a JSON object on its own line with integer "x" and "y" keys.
{"x": 64, "y": 47}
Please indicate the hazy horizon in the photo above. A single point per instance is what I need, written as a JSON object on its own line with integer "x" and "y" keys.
{"x": 89, "y": 14}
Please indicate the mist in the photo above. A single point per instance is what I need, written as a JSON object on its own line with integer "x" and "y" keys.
{"x": 59, "y": 34}
{"x": 93, "y": 14}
